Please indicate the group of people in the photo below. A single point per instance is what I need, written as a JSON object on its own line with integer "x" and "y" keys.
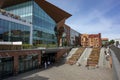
{"x": 107, "y": 53}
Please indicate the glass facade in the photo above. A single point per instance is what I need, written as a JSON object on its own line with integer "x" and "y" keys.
{"x": 28, "y": 62}
{"x": 24, "y": 10}
{"x": 11, "y": 31}
{"x": 73, "y": 37}
{"x": 6, "y": 67}
{"x": 43, "y": 25}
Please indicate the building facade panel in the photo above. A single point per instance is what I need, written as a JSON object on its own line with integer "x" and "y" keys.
{"x": 84, "y": 40}
{"x": 74, "y": 37}
{"x": 64, "y": 33}
{"x": 42, "y": 15}
{"x": 43, "y": 26}
{"x": 67, "y": 31}
{"x": 91, "y": 40}
{"x": 12, "y": 31}
{"x": 24, "y": 10}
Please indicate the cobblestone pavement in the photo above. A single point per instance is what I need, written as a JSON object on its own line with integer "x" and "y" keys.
{"x": 61, "y": 71}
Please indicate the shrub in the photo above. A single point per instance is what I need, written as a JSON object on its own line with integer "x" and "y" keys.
{"x": 26, "y": 46}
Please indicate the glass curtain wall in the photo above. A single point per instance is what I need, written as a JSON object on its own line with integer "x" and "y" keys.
{"x": 6, "y": 67}
{"x": 43, "y": 27}
{"x": 43, "y": 24}
{"x": 28, "y": 62}
{"x": 24, "y": 10}
{"x": 11, "y": 31}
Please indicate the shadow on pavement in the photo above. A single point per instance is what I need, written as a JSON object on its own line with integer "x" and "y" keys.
{"x": 36, "y": 77}
{"x": 28, "y": 76}
{"x": 60, "y": 62}
{"x": 22, "y": 76}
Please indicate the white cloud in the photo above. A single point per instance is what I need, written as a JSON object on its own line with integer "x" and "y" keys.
{"x": 94, "y": 21}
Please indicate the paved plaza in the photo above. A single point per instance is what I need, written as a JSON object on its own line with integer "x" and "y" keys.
{"x": 62, "y": 71}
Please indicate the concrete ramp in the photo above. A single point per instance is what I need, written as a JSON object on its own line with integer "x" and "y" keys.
{"x": 83, "y": 59}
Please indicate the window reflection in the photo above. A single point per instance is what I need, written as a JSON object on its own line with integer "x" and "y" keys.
{"x": 28, "y": 62}
{"x": 10, "y": 31}
{"x": 6, "y": 67}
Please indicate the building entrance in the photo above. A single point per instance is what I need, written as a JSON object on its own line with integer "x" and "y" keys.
{"x": 48, "y": 58}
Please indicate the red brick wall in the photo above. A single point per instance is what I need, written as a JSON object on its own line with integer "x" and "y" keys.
{"x": 60, "y": 53}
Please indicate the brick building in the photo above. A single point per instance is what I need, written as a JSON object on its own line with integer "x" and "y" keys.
{"x": 91, "y": 40}
{"x": 84, "y": 40}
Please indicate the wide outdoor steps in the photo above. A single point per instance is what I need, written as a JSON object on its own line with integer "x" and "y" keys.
{"x": 71, "y": 53}
{"x": 74, "y": 58}
{"x": 94, "y": 57}
{"x": 85, "y": 55}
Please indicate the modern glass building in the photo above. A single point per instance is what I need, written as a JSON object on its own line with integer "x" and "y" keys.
{"x": 32, "y": 22}
{"x": 42, "y": 16}
{"x": 12, "y": 29}
{"x": 42, "y": 25}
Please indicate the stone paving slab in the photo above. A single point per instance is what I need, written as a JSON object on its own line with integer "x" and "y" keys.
{"x": 66, "y": 72}
{"x": 62, "y": 71}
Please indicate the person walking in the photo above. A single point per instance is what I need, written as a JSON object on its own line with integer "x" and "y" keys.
{"x": 48, "y": 62}
{"x": 45, "y": 64}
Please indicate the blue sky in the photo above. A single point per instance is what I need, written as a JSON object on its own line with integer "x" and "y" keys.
{"x": 93, "y": 16}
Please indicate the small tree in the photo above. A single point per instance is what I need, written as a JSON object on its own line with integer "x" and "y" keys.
{"x": 111, "y": 42}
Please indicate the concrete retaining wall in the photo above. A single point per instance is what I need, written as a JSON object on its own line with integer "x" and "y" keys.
{"x": 115, "y": 66}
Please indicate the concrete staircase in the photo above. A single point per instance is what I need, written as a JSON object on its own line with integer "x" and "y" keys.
{"x": 74, "y": 58}
{"x": 71, "y": 53}
{"x": 94, "y": 57}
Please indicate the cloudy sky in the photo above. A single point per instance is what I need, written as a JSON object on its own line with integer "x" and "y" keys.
{"x": 93, "y": 16}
